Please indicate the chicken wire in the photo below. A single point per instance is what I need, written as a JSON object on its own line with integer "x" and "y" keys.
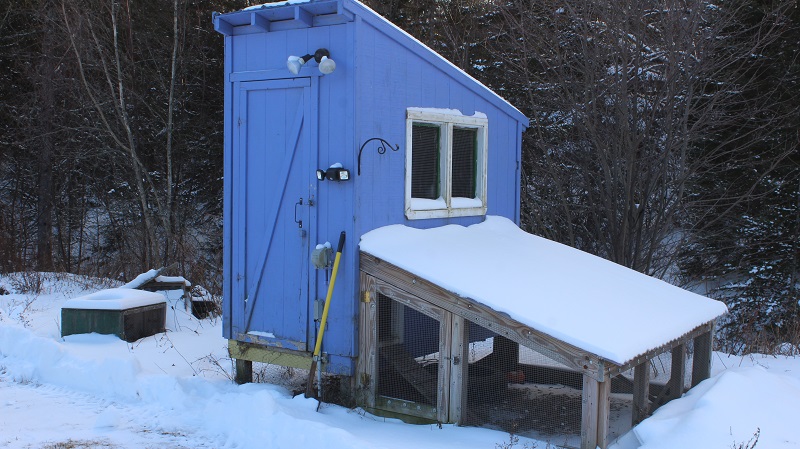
{"x": 509, "y": 387}
{"x": 522, "y": 391}
{"x": 408, "y": 345}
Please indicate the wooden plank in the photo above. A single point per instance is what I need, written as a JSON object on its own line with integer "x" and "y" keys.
{"x": 641, "y": 393}
{"x": 701, "y": 360}
{"x": 407, "y": 299}
{"x": 603, "y": 413}
{"x": 677, "y": 377}
{"x": 407, "y": 367}
{"x": 367, "y": 344}
{"x": 445, "y": 368}
{"x": 263, "y": 354}
{"x": 589, "y": 418}
{"x": 415, "y": 286}
{"x": 406, "y": 408}
{"x": 459, "y": 369}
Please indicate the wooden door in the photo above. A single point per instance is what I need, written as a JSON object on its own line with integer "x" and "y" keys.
{"x": 272, "y": 171}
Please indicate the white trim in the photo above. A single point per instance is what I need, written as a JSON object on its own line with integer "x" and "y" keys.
{"x": 447, "y": 119}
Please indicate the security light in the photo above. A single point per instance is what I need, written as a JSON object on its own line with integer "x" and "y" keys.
{"x": 322, "y": 56}
{"x": 333, "y": 174}
{"x": 327, "y": 65}
{"x": 294, "y": 63}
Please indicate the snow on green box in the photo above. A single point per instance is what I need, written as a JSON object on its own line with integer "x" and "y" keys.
{"x": 581, "y": 299}
{"x": 115, "y": 299}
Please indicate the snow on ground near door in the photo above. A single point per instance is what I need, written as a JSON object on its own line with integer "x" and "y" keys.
{"x": 173, "y": 391}
{"x": 588, "y": 302}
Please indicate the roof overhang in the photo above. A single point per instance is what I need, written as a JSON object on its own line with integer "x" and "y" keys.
{"x": 281, "y": 16}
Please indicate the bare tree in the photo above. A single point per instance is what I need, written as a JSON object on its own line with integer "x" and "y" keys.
{"x": 627, "y": 101}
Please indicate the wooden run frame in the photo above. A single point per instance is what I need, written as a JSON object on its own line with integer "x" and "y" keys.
{"x": 381, "y": 277}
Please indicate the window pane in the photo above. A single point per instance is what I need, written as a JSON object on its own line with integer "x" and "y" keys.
{"x": 465, "y": 162}
{"x": 425, "y": 161}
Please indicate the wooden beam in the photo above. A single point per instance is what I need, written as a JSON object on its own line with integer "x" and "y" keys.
{"x": 259, "y": 21}
{"x": 677, "y": 376}
{"x": 366, "y": 367}
{"x": 603, "y": 412}
{"x": 641, "y": 393}
{"x": 595, "y": 413}
{"x": 255, "y": 352}
{"x": 589, "y": 418}
{"x": 458, "y": 370}
{"x": 701, "y": 360}
{"x": 445, "y": 367}
{"x": 222, "y": 26}
{"x": 569, "y": 355}
{"x": 244, "y": 371}
{"x": 301, "y": 16}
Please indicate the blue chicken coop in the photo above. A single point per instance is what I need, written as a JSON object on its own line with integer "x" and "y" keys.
{"x": 356, "y": 120}
{"x": 338, "y": 121}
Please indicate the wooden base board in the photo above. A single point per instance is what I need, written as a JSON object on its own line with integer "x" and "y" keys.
{"x": 263, "y": 354}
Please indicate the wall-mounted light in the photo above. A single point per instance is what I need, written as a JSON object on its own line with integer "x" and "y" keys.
{"x": 322, "y": 56}
{"x": 334, "y": 173}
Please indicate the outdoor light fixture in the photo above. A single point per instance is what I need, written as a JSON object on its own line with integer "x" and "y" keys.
{"x": 322, "y": 56}
{"x": 334, "y": 173}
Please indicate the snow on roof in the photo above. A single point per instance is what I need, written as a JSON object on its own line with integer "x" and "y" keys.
{"x": 273, "y": 5}
{"x": 115, "y": 299}
{"x": 596, "y": 305}
{"x": 138, "y": 281}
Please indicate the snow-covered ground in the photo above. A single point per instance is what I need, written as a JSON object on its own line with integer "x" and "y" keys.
{"x": 173, "y": 390}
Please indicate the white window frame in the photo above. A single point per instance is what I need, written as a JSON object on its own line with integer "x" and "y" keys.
{"x": 444, "y": 206}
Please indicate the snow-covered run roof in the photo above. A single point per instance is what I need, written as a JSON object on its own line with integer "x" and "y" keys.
{"x": 583, "y": 300}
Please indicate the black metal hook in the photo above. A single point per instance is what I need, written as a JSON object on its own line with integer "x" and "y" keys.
{"x": 381, "y": 149}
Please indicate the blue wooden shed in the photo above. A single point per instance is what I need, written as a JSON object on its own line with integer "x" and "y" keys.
{"x": 281, "y": 127}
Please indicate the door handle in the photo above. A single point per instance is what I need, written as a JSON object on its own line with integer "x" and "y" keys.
{"x": 299, "y": 222}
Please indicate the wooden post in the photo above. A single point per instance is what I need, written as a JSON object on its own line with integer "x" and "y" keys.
{"x": 244, "y": 371}
{"x": 641, "y": 392}
{"x": 701, "y": 361}
{"x": 678, "y": 373}
{"x": 603, "y": 412}
{"x": 443, "y": 401}
{"x": 595, "y": 408}
{"x": 459, "y": 370}
{"x": 367, "y": 344}
{"x": 589, "y": 413}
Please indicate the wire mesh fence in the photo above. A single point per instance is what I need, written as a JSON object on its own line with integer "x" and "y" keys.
{"x": 408, "y": 361}
{"x": 523, "y": 390}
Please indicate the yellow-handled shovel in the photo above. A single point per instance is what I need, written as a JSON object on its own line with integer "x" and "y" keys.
{"x": 318, "y": 346}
